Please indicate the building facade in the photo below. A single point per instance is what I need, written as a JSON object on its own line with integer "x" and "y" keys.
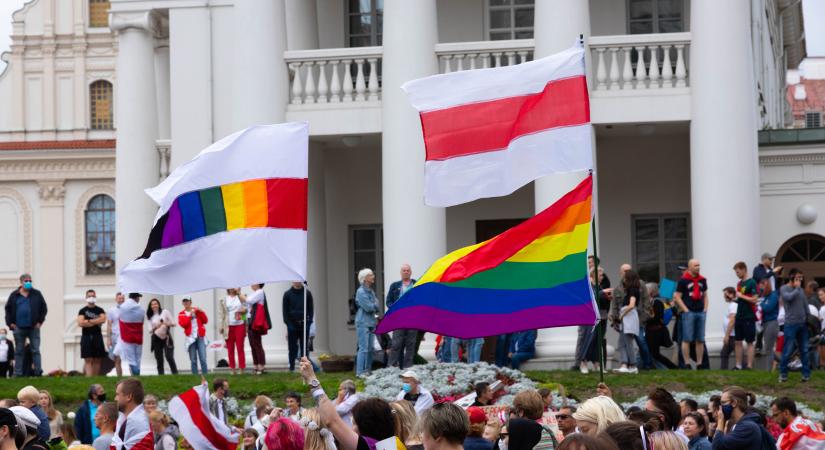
{"x": 806, "y": 93}
{"x": 679, "y": 90}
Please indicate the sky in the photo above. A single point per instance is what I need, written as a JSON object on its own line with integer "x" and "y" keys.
{"x": 813, "y": 13}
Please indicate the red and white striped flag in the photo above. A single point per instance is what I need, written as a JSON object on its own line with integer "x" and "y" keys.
{"x": 203, "y": 430}
{"x": 137, "y": 435}
{"x": 130, "y": 321}
{"x": 801, "y": 434}
{"x": 489, "y": 132}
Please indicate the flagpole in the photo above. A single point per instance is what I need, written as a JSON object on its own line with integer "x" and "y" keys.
{"x": 304, "y": 331}
{"x": 597, "y": 292}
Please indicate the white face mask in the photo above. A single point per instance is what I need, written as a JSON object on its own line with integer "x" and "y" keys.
{"x": 91, "y": 300}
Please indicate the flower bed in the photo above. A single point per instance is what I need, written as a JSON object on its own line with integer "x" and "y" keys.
{"x": 763, "y": 402}
{"x": 450, "y": 381}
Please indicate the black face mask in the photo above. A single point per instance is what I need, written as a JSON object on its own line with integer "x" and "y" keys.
{"x": 101, "y": 398}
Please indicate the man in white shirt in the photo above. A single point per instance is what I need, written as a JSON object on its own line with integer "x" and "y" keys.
{"x": 347, "y": 398}
{"x": 413, "y": 392}
{"x": 728, "y": 322}
{"x": 113, "y": 325}
{"x": 217, "y": 401}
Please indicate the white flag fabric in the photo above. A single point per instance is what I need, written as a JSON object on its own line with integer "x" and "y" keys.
{"x": 234, "y": 215}
{"x": 130, "y": 322}
{"x": 136, "y": 435}
{"x": 488, "y": 132}
{"x": 197, "y": 424}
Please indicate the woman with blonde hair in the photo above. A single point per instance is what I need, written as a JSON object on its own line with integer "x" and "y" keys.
{"x": 55, "y": 417}
{"x": 667, "y": 440}
{"x": 596, "y": 414}
{"x": 316, "y": 435}
{"x": 159, "y": 423}
{"x": 405, "y": 423}
{"x": 260, "y": 408}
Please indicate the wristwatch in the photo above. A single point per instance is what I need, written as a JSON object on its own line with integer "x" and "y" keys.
{"x": 314, "y": 384}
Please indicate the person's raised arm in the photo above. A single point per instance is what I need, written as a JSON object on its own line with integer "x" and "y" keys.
{"x": 342, "y": 432}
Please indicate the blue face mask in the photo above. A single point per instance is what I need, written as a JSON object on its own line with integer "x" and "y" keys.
{"x": 727, "y": 411}
{"x": 406, "y": 387}
{"x": 27, "y": 285}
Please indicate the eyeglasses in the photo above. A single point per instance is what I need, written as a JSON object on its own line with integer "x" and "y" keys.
{"x": 562, "y": 416}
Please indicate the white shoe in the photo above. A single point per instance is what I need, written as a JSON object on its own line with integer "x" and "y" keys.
{"x": 692, "y": 364}
{"x": 622, "y": 369}
{"x": 583, "y": 369}
{"x": 633, "y": 370}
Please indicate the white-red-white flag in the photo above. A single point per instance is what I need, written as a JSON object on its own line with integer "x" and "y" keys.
{"x": 488, "y": 132}
{"x": 130, "y": 322}
{"x": 801, "y": 434}
{"x": 137, "y": 435}
{"x": 200, "y": 428}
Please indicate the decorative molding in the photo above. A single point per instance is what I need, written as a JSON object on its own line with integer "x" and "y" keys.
{"x": 81, "y": 278}
{"x": 56, "y": 168}
{"x": 792, "y": 159}
{"x": 164, "y": 148}
{"x": 144, "y": 20}
{"x": 51, "y": 192}
{"x": 28, "y": 244}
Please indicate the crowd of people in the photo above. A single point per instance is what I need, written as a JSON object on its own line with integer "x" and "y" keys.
{"x": 349, "y": 421}
{"x": 773, "y": 313}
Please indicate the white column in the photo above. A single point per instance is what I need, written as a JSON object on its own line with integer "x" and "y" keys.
{"x": 137, "y": 129}
{"x": 81, "y": 97}
{"x": 724, "y": 164}
{"x": 301, "y": 24}
{"x": 317, "y": 248}
{"x": 413, "y": 233}
{"x": 50, "y": 276}
{"x": 554, "y": 32}
{"x": 261, "y": 93}
{"x": 163, "y": 99}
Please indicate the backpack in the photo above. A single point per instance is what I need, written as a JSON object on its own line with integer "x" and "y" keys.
{"x": 768, "y": 442}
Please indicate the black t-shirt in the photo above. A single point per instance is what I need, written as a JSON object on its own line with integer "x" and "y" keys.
{"x": 686, "y": 288}
{"x": 91, "y": 313}
{"x": 632, "y": 292}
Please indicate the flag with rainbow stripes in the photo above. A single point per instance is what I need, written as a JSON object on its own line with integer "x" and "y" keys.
{"x": 532, "y": 276}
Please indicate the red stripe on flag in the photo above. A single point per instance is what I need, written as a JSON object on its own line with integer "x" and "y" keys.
{"x": 192, "y": 402}
{"x": 287, "y": 203}
{"x": 491, "y": 125}
{"x": 507, "y": 244}
{"x": 147, "y": 443}
{"x": 131, "y": 332}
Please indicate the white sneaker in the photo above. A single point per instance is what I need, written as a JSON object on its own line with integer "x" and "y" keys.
{"x": 692, "y": 364}
{"x": 633, "y": 370}
{"x": 622, "y": 369}
{"x": 583, "y": 369}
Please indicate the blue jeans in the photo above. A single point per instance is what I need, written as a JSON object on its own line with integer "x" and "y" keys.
{"x": 502, "y": 348}
{"x": 135, "y": 370}
{"x": 643, "y": 359}
{"x": 363, "y": 360}
{"x": 444, "y": 351}
{"x": 198, "y": 351}
{"x": 471, "y": 346}
{"x": 520, "y": 357}
{"x": 20, "y": 335}
{"x": 693, "y": 326}
{"x": 796, "y": 335}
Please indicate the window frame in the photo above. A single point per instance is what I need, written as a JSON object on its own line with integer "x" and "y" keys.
{"x": 90, "y": 9}
{"x": 374, "y": 34}
{"x": 662, "y": 257}
{"x": 88, "y": 263}
{"x": 93, "y": 119}
{"x": 818, "y": 119}
{"x": 488, "y": 9}
{"x": 379, "y": 265}
{"x": 655, "y": 17}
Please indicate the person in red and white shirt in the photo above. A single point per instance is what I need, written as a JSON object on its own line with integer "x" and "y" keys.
{"x": 192, "y": 320}
{"x": 132, "y": 431}
{"x": 798, "y": 433}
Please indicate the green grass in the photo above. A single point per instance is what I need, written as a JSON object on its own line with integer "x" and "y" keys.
{"x": 630, "y": 387}
{"x": 69, "y": 392}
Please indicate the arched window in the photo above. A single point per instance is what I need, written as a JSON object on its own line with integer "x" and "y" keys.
{"x": 100, "y": 99}
{"x": 805, "y": 252}
{"x": 100, "y": 235}
{"x": 99, "y": 13}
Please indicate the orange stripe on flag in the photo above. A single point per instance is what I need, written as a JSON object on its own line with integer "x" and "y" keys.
{"x": 254, "y": 193}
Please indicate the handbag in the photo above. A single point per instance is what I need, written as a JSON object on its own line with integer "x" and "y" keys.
{"x": 259, "y": 324}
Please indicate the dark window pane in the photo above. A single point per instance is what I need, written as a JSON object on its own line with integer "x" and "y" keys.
{"x": 524, "y": 17}
{"x": 360, "y": 24}
{"x": 524, "y": 34}
{"x": 641, "y": 9}
{"x": 500, "y": 36}
{"x": 676, "y": 251}
{"x": 362, "y": 6}
{"x": 670, "y": 26}
{"x": 649, "y": 272}
{"x": 647, "y": 229}
{"x": 676, "y": 228}
{"x": 647, "y": 252}
{"x": 499, "y": 2}
{"x": 363, "y": 239}
{"x": 359, "y": 41}
{"x": 641, "y": 27}
{"x": 524, "y": 2}
{"x": 379, "y": 19}
{"x": 500, "y": 18}
{"x": 364, "y": 259}
{"x": 379, "y": 6}
{"x": 670, "y": 9}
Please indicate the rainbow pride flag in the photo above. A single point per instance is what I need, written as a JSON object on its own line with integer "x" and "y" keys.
{"x": 532, "y": 276}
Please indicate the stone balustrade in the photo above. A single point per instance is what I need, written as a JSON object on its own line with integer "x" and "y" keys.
{"x": 640, "y": 61}
{"x": 336, "y": 75}
{"x": 457, "y": 56}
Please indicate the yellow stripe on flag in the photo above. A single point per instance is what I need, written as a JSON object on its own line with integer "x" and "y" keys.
{"x": 254, "y": 192}
{"x": 554, "y": 247}
{"x": 233, "y": 204}
{"x": 438, "y": 267}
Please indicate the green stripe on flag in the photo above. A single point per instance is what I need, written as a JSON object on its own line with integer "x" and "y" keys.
{"x": 213, "y": 212}
{"x": 530, "y": 275}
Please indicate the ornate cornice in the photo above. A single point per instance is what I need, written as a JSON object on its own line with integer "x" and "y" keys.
{"x": 51, "y": 192}
{"x": 144, "y": 20}
{"x": 26, "y": 228}
{"x": 792, "y": 159}
{"x": 57, "y": 168}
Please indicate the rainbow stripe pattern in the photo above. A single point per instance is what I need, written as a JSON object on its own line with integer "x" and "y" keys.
{"x": 261, "y": 203}
{"x": 532, "y": 276}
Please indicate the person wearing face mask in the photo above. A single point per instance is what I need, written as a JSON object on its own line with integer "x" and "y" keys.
{"x": 12, "y": 431}
{"x": 85, "y": 427}
{"x": 6, "y": 355}
{"x": 89, "y": 319}
{"x": 25, "y": 313}
{"x": 413, "y": 392}
{"x": 737, "y": 427}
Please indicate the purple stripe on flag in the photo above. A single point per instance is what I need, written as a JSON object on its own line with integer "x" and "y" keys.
{"x": 173, "y": 231}
{"x": 469, "y": 326}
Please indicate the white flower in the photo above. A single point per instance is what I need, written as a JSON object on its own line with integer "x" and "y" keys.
{"x": 70, "y": 415}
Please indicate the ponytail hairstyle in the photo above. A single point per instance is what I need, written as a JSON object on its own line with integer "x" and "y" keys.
{"x": 744, "y": 399}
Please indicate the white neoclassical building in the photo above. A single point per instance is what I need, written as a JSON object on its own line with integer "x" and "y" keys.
{"x": 680, "y": 90}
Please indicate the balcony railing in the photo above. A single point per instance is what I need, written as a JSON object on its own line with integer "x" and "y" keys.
{"x": 454, "y": 57}
{"x": 640, "y": 61}
{"x": 336, "y": 75}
